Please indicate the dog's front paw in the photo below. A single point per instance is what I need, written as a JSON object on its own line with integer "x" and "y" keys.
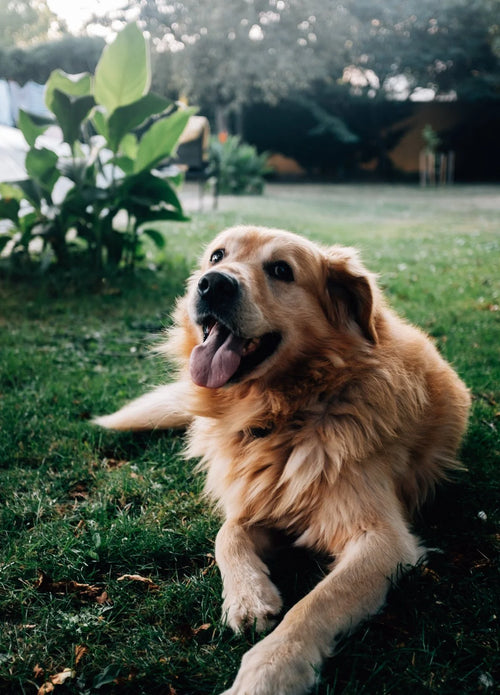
{"x": 276, "y": 666}
{"x": 253, "y": 605}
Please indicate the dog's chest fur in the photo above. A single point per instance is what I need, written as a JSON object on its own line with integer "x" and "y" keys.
{"x": 286, "y": 473}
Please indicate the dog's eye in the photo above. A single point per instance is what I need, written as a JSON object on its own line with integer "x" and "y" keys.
{"x": 217, "y": 256}
{"x": 279, "y": 270}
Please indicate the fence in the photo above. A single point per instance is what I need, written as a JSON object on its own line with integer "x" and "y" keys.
{"x": 436, "y": 168}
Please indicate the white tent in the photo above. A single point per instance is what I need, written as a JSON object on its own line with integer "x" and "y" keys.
{"x": 13, "y": 148}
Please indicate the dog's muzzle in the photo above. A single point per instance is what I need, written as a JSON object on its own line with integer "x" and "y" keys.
{"x": 225, "y": 354}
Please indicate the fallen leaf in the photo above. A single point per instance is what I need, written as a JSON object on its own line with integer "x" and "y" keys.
{"x": 186, "y": 632}
{"x": 79, "y": 491}
{"x": 38, "y": 671}
{"x": 196, "y": 630}
{"x": 57, "y": 679}
{"x": 103, "y": 598}
{"x": 428, "y": 572}
{"x": 122, "y": 680}
{"x": 138, "y": 578}
{"x": 80, "y": 651}
{"x": 79, "y": 528}
{"x": 210, "y": 565}
{"x": 114, "y": 463}
{"x": 62, "y": 677}
{"x": 89, "y": 592}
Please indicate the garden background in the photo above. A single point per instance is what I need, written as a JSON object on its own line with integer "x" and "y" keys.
{"x": 107, "y": 577}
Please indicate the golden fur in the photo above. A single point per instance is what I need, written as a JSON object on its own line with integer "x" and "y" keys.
{"x": 334, "y": 439}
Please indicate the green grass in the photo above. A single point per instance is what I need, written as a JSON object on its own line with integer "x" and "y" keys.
{"x": 82, "y": 505}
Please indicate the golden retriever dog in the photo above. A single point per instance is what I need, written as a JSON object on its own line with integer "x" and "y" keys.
{"x": 316, "y": 412}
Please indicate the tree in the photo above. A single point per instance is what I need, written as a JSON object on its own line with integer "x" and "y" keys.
{"x": 225, "y": 56}
{"x": 447, "y": 46}
{"x": 73, "y": 54}
{"x": 230, "y": 55}
{"x": 23, "y": 22}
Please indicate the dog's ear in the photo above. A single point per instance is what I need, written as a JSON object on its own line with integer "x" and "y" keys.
{"x": 351, "y": 292}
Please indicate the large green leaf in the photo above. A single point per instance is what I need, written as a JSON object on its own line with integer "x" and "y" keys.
{"x": 29, "y": 128}
{"x": 159, "y": 141}
{"x": 100, "y": 122}
{"x": 125, "y": 163}
{"x": 41, "y": 167}
{"x": 129, "y": 146}
{"x": 27, "y": 223}
{"x": 9, "y": 209}
{"x": 123, "y": 74}
{"x": 11, "y": 190}
{"x": 156, "y": 237}
{"x": 148, "y": 190}
{"x": 31, "y": 191}
{"x": 126, "y": 118}
{"x": 4, "y": 240}
{"x": 149, "y": 198}
{"x": 72, "y": 85}
{"x": 70, "y": 113}
{"x": 144, "y": 215}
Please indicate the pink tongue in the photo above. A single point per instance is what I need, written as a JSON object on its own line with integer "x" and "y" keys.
{"x": 215, "y": 361}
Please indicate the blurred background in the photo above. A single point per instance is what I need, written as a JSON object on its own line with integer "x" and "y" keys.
{"x": 331, "y": 91}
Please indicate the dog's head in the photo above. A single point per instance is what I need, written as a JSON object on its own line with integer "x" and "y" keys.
{"x": 266, "y": 299}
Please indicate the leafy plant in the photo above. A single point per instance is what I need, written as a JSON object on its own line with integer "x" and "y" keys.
{"x": 431, "y": 139}
{"x": 115, "y": 134}
{"x": 237, "y": 166}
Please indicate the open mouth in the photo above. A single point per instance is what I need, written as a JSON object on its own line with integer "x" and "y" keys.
{"x": 225, "y": 357}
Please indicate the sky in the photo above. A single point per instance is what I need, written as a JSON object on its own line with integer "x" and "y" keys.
{"x": 75, "y": 12}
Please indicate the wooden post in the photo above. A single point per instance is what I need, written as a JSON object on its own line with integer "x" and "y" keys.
{"x": 451, "y": 166}
{"x": 442, "y": 168}
{"x": 431, "y": 159}
{"x": 422, "y": 168}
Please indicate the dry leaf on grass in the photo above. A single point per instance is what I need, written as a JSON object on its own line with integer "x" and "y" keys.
{"x": 57, "y": 679}
{"x": 151, "y": 586}
{"x": 87, "y": 592}
{"x": 211, "y": 564}
{"x": 114, "y": 463}
{"x": 186, "y": 632}
{"x": 80, "y": 651}
{"x": 205, "y": 626}
{"x": 79, "y": 491}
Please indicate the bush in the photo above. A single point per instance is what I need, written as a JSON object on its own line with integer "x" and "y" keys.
{"x": 237, "y": 166}
{"x": 115, "y": 133}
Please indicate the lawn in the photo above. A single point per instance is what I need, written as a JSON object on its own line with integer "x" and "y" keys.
{"x": 107, "y": 577}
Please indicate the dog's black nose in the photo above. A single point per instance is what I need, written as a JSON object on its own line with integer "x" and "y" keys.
{"x": 217, "y": 284}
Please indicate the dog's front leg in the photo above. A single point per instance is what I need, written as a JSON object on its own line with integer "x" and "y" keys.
{"x": 250, "y": 597}
{"x": 287, "y": 661}
{"x": 167, "y": 406}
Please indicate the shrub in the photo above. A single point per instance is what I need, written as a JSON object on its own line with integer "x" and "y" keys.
{"x": 115, "y": 133}
{"x": 237, "y": 166}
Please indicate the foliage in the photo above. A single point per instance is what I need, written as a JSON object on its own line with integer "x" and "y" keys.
{"x": 314, "y": 132}
{"x": 263, "y": 51}
{"x": 431, "y": 138}
{"x": 89, "y": 508}
{"x": 113, "y": 172}
{"x": 238, "y": 167}
{"x": 26, "y": 21}
{"x": 73, "y": 54}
